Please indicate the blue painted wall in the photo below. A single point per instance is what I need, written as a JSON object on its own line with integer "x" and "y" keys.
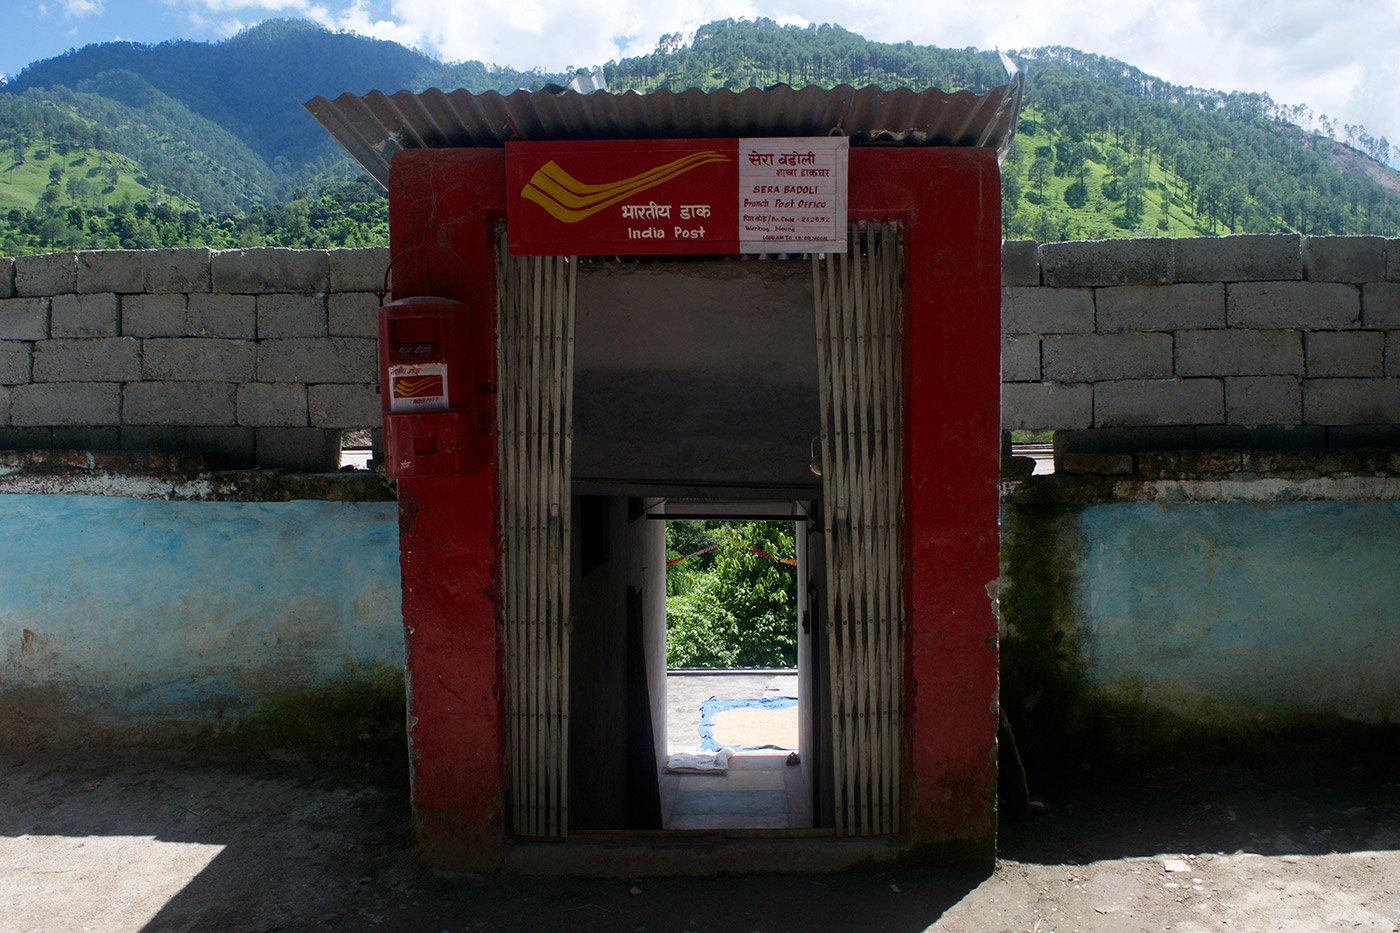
{"x": 1241, "y": 609}
{"x": 131, "y": 609}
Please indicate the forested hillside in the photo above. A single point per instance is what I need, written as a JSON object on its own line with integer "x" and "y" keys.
{"x": 182, "y": 143}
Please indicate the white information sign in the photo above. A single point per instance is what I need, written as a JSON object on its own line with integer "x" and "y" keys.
{"x": 792, "y": 194}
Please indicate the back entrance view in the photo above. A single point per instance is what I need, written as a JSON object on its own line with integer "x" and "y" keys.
{"x": 733, "y": 682}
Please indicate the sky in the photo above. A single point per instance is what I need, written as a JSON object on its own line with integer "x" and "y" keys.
{"x": 1339, "y": 57}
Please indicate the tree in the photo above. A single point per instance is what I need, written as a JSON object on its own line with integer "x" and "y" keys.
{"x": 732, "y": 606}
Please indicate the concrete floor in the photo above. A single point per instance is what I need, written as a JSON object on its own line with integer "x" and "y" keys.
{"x": 686, "y": 690}
{"x": 759, "y": 791}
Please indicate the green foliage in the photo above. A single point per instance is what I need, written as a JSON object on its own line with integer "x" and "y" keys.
{"x": 731, "y": 607}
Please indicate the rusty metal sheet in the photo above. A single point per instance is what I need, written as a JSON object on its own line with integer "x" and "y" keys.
{"x": 374, "y": 126}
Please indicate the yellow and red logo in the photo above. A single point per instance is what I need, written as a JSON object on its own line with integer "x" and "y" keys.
{"x": 418, "y": 386}
{"x": 569, "y": 200}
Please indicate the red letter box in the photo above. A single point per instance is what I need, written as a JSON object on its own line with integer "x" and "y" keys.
{"x": 430, "y": 424}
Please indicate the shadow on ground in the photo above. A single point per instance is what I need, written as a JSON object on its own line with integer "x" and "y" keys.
{"x": 1302, "y": 798}
{"x": 123, "y": 839}
{"x": 302, "y": 844}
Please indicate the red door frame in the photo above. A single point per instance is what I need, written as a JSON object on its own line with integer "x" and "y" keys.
{"x": 445, "y": 207}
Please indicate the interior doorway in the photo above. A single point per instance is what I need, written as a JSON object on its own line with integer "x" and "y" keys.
{"x": 732, "y": 682}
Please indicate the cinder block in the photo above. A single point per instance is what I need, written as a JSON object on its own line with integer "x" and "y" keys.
{"x": 1148, "y": 402}
{"x": 1364, "y": 436}
{"x": 232, "y": 316}
{"x": 1047, "y": 310}
{"x": 1344, "y": 258}
{"x": 1380, "y": 304}
{"x": 46, "y": 274}
{"x": 226, "y": 448}
{"x": 353, "y": 314}
{"x": 90, "y": 315}
{"x": 1045, "y": 406}
{"x": 1392, "y": 261}
{"x": 1303, "y": 305}
{"x": 283, "y": 315}
{"x": 318, "y": 359}
{"x": 111, "y": 270}
{"x": 1392, "y": 353}
{"x": 162, "y": 438}
{"x": 1020, "y": 358}
{"x": 1276, "y": 400}
{"x": 1096, "y": 464}
{"x": 272, "y": 269}
{"x": 1239, "y": 353}
{"x": 198, "y": 359}
{"x": 1163, "y": 307}
{"x": 24, "y": 318}
{"x": 7, "y": 277}
{"x": 1106, "y": 262}
{"x": 272, "y": 405}
{"x": 25, "y": 438}
{"x": 1247, "y": 438}
{"x": 176, "y": 270}
{"x": 87, "y": 438}
{"x": 187, "y": 403}
{"x": 4, "y": 405}
{"x": 305, "y": 450}
{"x": 14, "y": 362}
{"x": 1351, "y": 401}
{"x": 1124, "y": 440}
{"x": 1091, "y": 357}
{"x": 358, "y": 270}
{"x": 1252, "y": 257}
{"x": 153, "y": 315}
{"x": 63, "y": 404}
{"x": 1358, "y": 353}
{"x": 344, "y": 406}
{"x": 1019, "y": 263}
{"x": 103, "y": 359}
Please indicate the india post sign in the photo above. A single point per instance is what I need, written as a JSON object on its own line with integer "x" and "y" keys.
{"x": 621, "y": 197}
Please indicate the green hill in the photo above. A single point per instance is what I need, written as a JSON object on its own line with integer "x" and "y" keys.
{"x": 192, "y": 142}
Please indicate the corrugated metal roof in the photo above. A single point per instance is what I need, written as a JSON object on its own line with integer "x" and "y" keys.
{"x": 375, "y": 126}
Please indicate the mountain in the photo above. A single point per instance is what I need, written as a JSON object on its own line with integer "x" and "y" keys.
{"x": 194, "y": 142}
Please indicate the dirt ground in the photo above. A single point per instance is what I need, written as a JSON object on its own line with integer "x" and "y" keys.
{"x": 132, "y": 839}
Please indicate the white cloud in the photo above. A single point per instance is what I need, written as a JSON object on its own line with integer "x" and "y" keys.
{"x": 77, "y": 9}
{"x": 1336, "y": 56}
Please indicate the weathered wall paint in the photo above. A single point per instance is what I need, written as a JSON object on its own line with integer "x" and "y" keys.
{"x": 137, "y": 614}
{"x": 1237, "y": 610}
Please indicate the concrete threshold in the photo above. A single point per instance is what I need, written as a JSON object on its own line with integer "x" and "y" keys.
{"x": 695, "y": 853}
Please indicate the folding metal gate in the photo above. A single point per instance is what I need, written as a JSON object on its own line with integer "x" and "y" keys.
{"x": 535, "y": 408}
{"x": 858, "y": 349}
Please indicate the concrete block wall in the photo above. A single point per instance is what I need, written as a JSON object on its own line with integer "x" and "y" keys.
{"x": 1272, "y": 340}
{"x": 261, "y": 357}
{"x": 256, "y": 358}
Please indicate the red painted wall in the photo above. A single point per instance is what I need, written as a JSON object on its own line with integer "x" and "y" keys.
{"x": 950, "y": 200}
{"x": 444, "y": 209}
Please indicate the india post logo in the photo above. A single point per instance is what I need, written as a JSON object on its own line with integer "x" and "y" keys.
{"x": 418, "y": 387}
{"x": 569, "y": 200}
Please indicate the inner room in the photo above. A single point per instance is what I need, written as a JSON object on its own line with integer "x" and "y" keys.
{"x": 696, "y": 416}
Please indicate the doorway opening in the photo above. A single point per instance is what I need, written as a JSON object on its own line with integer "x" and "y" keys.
{"x": 734, "y": 699}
